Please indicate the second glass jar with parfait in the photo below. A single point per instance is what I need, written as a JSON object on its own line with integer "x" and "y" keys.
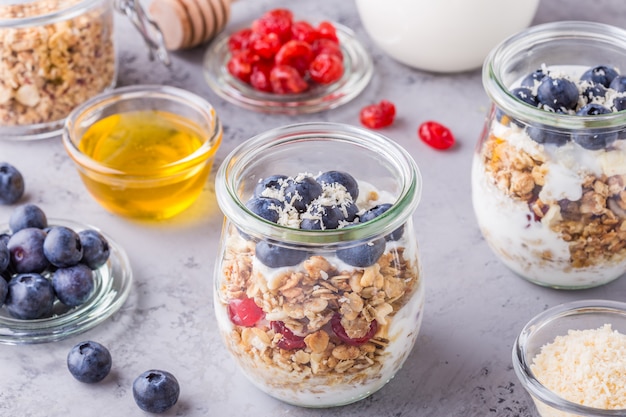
{"x": 318, "y": 285}
{"x": 549, "y": 172}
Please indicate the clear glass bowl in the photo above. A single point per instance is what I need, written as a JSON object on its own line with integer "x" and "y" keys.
{"x": 555, "y": 322}
{"x": 56, "y": 54}
{"x": 144, "y": 151}
{"x": 549, "y": 207}
{"x": 113, "y": 282}
{"x": 321, "y": 292}
{"x": 358, "y": 71}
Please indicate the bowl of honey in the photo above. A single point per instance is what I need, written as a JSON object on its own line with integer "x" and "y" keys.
{"x": 144, "y": 151}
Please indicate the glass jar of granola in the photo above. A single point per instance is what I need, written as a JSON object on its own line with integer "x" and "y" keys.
{"x": 318, "y": 284}
{"x": 549, "y": 172}
{"x": 55, "y": 55}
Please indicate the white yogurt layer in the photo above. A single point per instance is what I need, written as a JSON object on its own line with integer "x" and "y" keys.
{"x": 508, "y": 225}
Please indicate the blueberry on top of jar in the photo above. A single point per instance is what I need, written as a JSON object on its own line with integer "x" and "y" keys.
{"x": 557, "y": 93}
{"x": 530, "y": 79}
{"x": 618, "y": 84}
{"x": 600, "y": 74}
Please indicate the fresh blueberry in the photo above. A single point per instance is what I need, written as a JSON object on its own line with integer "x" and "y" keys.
{"x": 11, "y": 184}
{"x": 265, "y": 207}
{"x": 342, "y": 178}
{"x": 276, "y": 256}
{"x": 530, "y": 79}
{"x": 377, "y": 211}
{"x": 301, "y": 192}
{"x": 600, "y": 74}
{"x": 618, "y": 84}
{"x": 30, "y": 296}
{"x": 525, "y": 95}
{"x": 89, "y": 362}
{"x": 592, "y": 109}
{"x": 96, "y": 249}
{"x": 273, "y": 182}
{"x": 27, "y": 215}
{"x": 594, "y": 140}
{"x": 4, "y": 289}
{"x": 545, "y": 135}
{"x": 156, "y": 391}
{"x": 594, "y": 91}
{"x": 619, "y": 103}
{"x": 73, "y": 285}
{"x": 328, "y": 217}
{"x": 5, "y": 256}
{"x": 26, "y": 250}
{"x": 363, "y": 255}
{"x": 557, "y": 93}
{"x": 62, "y": 247}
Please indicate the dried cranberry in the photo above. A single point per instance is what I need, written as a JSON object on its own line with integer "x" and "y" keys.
{"x": 260, "y": 77}
{"x": 326, "y": 69}
{"x": 288, "y": 341}
{"x": 240, "y": 64}
{"x": 340, "y": 332}
{"x": 239, "y": 40}
{"x": 376, "y": 116}
{"x": 326, "y": 46}
{"x": 276, "y": 21}
{"x": 287, "y": 80}
{"x": 265, "y": 45}
{"x": 244, "y": 312}
{"x": 327, "y": 30}
{"x": 303, "y": 31}
{"x": 297, "y": 54}
{"x": 436, "y": 135}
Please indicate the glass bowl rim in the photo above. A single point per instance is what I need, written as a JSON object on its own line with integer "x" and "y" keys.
{"x": 92, "y": 106}
{"x": 522, "y": 367}
{"x": 236, "y": 211}
{"x": 549, "y": 32}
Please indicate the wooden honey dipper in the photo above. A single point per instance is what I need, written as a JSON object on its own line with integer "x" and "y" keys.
{"x": 188, "y": 23}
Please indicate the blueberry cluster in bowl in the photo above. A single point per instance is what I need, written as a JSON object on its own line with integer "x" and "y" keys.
{"x": 307, "y": 202}
{"x": 599, "y": 90}
{"x": 42, "y": 263}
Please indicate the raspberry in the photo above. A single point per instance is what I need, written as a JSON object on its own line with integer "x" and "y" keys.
{"x": 379, "y": 115}
{"x": 240, "y": 64}
{"x": 327, "y": 30}
{"x": 436, "y": 135}
{"x": 340, "y": 332}
{"x": 288, "y": 341}
{"x": 297, "y": 54}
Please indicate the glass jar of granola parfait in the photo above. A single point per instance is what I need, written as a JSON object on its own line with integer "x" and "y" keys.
{"x": 56, "y": 54}
{"x": 318, "y": 285}
{"x": 549, "y": 172}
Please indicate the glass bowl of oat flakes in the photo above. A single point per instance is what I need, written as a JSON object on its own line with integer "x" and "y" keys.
{"x": 318, "y": 286}
{"x": 55, "y": 55}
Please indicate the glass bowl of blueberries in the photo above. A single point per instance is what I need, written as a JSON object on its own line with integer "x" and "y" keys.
{"x": 549, "y": 171}
{"x": 318, "y": 285}
{"x": 58, "y": 277}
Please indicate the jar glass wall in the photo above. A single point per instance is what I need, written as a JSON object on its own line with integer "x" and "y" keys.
{"x": 319, "y": 318}
{"x": 548, "y": 183}
{"x": 56, "y": 55}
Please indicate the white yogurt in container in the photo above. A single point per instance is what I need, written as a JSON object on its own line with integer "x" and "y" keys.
{"x": 443, "y": 35}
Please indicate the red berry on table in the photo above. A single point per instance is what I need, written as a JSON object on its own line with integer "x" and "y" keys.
{"x": 376, "y": 116}
{"x": 287, "y": 80}
{"x": 244, "y": 312}
{"x": 326, "y": 69}
{"x": 436, "y": 135}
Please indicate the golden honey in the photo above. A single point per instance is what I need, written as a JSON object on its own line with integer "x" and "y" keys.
{"x": 147, "y": 164}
